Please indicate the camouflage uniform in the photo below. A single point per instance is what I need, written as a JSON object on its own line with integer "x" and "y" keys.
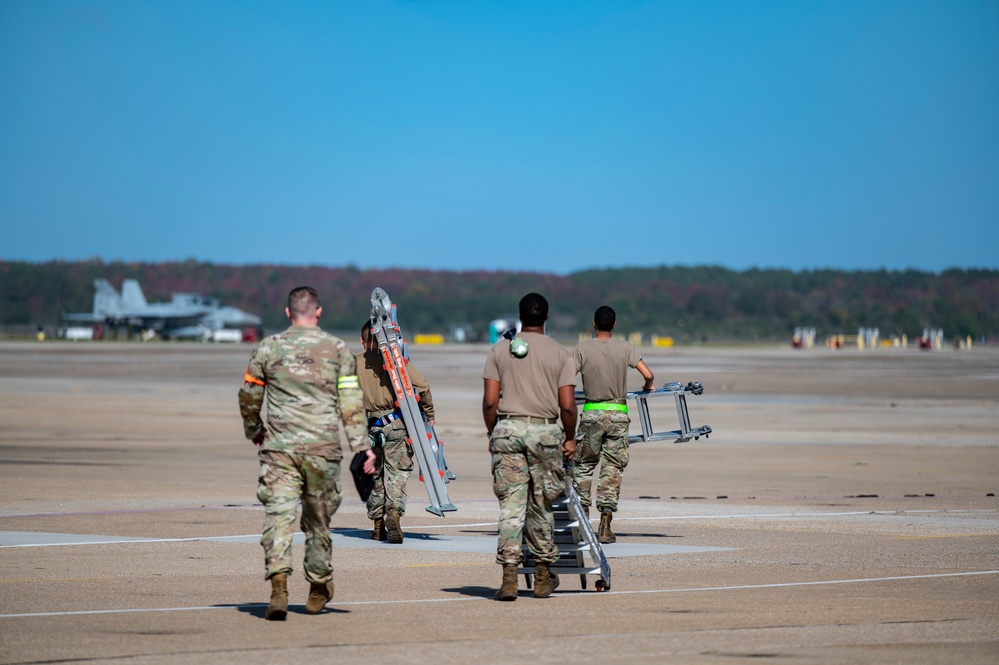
{"x": 602, "y": 437}
{"x": 603, "y": 424}
{"x": 393, "y": 452}
{"x": 526, "y": 445}
{"x": 309, "y": 381}
{"x": 527, "y": 476}
{"x": 393, "y": 466}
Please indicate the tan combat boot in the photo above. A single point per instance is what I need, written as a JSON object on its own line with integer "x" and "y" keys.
{"x": 545, "y": 581}
{"x": 277, "y": 610}
{"x": 378, "y": 530}
{"x": 605, "y": 535}
{"x": 392, "y": 526}
{"x": 508, "y": 590}
{"x": 320, "y": 593}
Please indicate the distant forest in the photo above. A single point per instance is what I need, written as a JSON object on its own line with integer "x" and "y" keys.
{"x": 687, "y": 303}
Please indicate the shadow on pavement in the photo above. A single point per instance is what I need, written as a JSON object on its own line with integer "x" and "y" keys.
{"x": 473, "y": 591}
{"x": 259, "y": 609}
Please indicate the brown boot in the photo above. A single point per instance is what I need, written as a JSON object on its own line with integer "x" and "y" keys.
{"x": 545, "y": 581}
{"x": 508, "y": 590}
{"x": 378, "y": 530}
{"x": 320, "y": 593}
{"x": 605, "y": 535}
{"x": 392, "y": 526}
{"x": 277, "y": 610}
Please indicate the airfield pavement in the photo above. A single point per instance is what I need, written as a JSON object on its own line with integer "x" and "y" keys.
{"x": 843, "y": 511}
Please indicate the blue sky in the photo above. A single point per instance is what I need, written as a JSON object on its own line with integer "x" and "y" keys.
{"x": 543, "y": 136}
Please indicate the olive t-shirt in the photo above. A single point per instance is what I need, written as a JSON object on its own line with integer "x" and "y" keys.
{"x": 604, "y": 365}
{"x": 376, "y": 384}
{"x": 529, "y": 385}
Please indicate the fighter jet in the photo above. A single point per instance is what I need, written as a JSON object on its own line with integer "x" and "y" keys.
{"x": 185, "y": 316}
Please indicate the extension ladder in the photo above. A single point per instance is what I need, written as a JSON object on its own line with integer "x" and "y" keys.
{"x": 426, "y": 447}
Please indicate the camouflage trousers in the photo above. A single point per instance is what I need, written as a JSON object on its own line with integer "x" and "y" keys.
{"x": 288, "y": 480}
{"x": 603, "y": 438}
{"x": 393, "y": 465}
{"x": 527, "y": 476}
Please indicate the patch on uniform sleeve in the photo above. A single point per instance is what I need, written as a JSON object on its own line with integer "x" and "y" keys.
{"x": 249, "y": 378}
{"x": 347, "y": 382}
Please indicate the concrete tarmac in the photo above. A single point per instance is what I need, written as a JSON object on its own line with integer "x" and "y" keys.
{"x": 843, "y": 511}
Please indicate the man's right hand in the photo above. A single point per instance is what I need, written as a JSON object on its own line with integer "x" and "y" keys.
{"x": 369, "y": 464}
{"x": 258, "y": 438}
{"x": 569, "y": 448}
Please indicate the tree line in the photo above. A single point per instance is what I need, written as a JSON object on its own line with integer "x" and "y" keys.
{"x": 696, "y": 303}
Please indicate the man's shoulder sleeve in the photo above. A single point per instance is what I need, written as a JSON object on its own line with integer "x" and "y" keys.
{"x": 567, "y": 373}
{"x": 634, "y": 356}
{"x": 351, "y": 403}
{"x": 348, "y": 362}
{"x": 491, "y": 370}
{"x": 257, "y": 366}
{"x": 416, "y": 378}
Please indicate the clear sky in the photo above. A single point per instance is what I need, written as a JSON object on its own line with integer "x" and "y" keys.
{"x": 547, "y": 136}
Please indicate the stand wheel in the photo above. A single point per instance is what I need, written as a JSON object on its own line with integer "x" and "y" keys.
{"x": 601, "y": 585}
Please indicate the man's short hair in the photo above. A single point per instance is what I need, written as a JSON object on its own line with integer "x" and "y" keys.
{"x": 303, "y": 301}
{"x": 366, "y": 328}
{"x": 604, "y": 318}
{"x": 533, "y": 310}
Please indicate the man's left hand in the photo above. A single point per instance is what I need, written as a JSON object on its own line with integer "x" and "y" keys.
{"x": 258, "y": 438}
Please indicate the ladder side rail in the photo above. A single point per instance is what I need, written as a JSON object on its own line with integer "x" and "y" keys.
{"x": 423, "y": 447}
{"x": 645, "y": 419}
{"x": 589, "y": 537}
{"x": 439, "y": 453}
{"x": 682, "y": 415}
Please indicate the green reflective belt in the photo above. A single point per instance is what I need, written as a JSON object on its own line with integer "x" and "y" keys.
{"x": 605, "y": 406}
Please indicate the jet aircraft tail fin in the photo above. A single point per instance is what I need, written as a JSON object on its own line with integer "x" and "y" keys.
{"x": 107, "y": 301}
{"x": 132, "y": 298}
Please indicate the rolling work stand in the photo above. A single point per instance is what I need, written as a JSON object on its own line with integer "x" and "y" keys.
{"x": 579, "y": 550}
{"x": 427, "y": 449}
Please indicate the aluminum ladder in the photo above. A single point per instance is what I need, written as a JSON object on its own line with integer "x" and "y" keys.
{"x": 426, "y": 447}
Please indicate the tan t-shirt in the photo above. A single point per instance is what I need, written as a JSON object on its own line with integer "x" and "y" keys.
{"x": 529, "y": 385}
{"x": 376, "y": 385}
{"x": 604, "y": 365}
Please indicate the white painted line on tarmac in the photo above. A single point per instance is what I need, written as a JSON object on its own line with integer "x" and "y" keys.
{"x": 38, "y": 539}
{"x": 595, "y": 594}
{"x": 796, "y": 514}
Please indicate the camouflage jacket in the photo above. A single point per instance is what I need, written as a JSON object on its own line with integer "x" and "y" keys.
{"x": 309, "y": 380}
